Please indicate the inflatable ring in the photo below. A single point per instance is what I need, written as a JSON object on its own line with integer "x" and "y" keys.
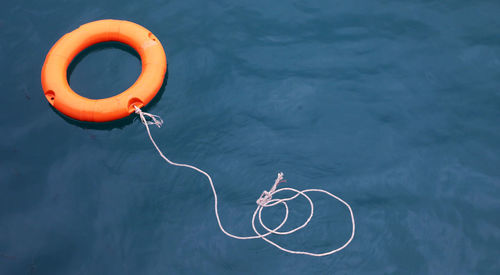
{"x": 64, "y": 99}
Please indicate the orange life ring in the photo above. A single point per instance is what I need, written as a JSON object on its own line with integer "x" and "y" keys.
{"x": 63, "y": 98}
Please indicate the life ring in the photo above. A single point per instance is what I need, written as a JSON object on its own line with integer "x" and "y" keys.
{"x": 64, "y": 99}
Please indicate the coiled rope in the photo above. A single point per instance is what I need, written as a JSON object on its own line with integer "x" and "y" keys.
{"x": 265, "y": 200}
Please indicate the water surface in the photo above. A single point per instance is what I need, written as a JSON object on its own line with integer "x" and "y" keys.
{"x": 392, "y": 105}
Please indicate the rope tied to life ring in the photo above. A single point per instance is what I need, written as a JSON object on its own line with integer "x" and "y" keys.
{"x": 264, "y": 201}
{"x": 154, "y": 64}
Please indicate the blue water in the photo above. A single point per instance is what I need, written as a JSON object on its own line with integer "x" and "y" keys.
{"x": 392, "y": 105}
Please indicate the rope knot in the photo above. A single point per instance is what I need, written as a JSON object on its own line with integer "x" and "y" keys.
{"x": 264, "y": 198}
{"x": 153, "y": 119}
{"x": 137, "y": 110}
{"x": 267, "y": 196}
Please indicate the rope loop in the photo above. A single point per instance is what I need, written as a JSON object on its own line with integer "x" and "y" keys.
{"x": 264, "y": 201}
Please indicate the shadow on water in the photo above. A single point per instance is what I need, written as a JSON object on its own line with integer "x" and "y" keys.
{"x": 117, "y": 123}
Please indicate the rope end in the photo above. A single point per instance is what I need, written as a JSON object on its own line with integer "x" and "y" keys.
{"x": 280, "y": 178}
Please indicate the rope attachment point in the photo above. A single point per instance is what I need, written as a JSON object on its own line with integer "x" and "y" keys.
{"x": 148, "y": 119}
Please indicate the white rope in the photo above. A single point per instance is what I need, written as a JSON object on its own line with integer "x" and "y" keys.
{"x": 265, "y": 200}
